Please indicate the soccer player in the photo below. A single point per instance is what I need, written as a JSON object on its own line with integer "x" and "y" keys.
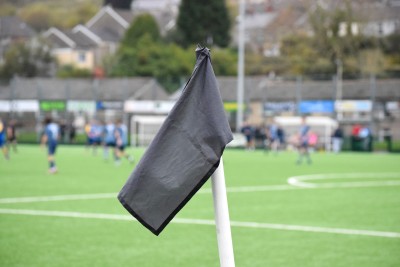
{"x": 109, "y": 140}
{"x": 304, "y": 142}
{"x": 87, "y": 132}
{"x": 12, "y": 136}
{"x": 50, "y": 137}
{"x": 121, "y": 140}
{"x": 95, "y": 135}
{"x": 3, "y": 146}
{"x": 273, "y": 136}
{"x": 248, "y": 131}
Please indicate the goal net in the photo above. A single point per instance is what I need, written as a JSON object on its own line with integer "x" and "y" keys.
{"x": 144, "y": 129}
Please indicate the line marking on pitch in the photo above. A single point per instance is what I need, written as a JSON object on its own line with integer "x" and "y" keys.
{"x": 294, "y": 183}
{"x": 256, "y": 225}
{"x": 302, "y": 181}
{"x": 57, "y": 198}
{"x": 114, "y": 195}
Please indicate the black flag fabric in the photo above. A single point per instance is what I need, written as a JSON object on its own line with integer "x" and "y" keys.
{"x": 184, "y": 153}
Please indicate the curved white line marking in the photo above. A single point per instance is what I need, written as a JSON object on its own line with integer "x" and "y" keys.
{"x": 205, "y": 222}
{"x": 300, "y": 181}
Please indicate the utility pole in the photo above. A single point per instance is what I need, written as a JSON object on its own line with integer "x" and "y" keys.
{"x": 240, "y": 85}
{"x": 339, "y": 77}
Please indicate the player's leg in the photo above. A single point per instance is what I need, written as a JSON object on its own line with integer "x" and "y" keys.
{"x": 124, "y": 154}
{"x": 4, "y": 149}
{"x": 51, "y": 158}
{"x": 105, "y": 151}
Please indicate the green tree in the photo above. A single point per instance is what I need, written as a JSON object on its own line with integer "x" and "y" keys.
{"x": 42, "y": 16}
{"x": 168, "y": 63}
{"x": 142, "y": 52}
{"x": 27, "y": 60}
{"x": 333, "y": 36}
{"x": 37, "y": 15}
{"x": 205, "y": 22}
{"x": 143, "y": 25}
{"x": 224, "y": 62}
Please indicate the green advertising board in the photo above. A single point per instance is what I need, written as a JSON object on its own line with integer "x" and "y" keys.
{"x": 52, "y": 105}
{"x": 232, "y": 106}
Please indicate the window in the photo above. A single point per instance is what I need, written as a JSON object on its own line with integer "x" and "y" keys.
{"x": 81, "y": 56}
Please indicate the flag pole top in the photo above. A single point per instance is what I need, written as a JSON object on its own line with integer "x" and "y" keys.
{"x": 202, "y": 50}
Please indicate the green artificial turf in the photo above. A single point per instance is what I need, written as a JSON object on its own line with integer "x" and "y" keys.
{"x": 27, "y": 240}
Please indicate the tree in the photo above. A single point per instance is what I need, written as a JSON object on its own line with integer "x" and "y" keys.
{"x": 205, "y": 22}
{"x": 333, "y": 36}
{"x": 42, "y": 16}
{"x": 27, "y": 60}
{"x": 143, "y": 25}
{"x": 38, "y": 16}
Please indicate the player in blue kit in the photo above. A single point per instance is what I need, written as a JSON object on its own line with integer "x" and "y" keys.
{"x": 95, "y": 135}
{"x": 109, "y": 139}
{"x": 3, "y": 146}
{"x": 50, "y": 137}
{"x": 121, "y": 141}
{"x": 304, "y": 133}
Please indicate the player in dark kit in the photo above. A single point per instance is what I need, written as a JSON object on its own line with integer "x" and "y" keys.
{"x": 12, "y": 136}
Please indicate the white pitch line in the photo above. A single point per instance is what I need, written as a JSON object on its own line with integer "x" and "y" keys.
{"x": 57, "y": 198}
{"x": 256, "y": 225}
{"x": 114, "y": 195}
{"x": 294, "y": 184}
{"x": 260, "y": 188}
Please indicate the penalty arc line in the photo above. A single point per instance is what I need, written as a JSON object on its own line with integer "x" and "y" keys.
{"x": 300, "y": 181}
{"x": 205, "y": 222}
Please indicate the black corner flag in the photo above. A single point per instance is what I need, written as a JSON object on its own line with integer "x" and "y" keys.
{"x": 183, "y": 155}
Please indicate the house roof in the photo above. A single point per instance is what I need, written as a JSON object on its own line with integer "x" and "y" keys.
{"x": 80, "y": 37}
{"x": 88, "y": 33}
{"x": 82, "y": 40}
{"x": 12, "y": 26}
{"x": 110, "y": 24}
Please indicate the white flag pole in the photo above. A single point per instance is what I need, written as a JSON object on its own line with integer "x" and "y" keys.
{"x": 222, "y": 222}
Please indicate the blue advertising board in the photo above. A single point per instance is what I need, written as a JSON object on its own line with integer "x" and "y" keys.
{"x": 316, "y": 106}
{"x": 115, "y": 105}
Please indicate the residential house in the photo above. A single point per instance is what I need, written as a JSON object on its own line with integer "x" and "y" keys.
{"x": 85, "y": 46}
